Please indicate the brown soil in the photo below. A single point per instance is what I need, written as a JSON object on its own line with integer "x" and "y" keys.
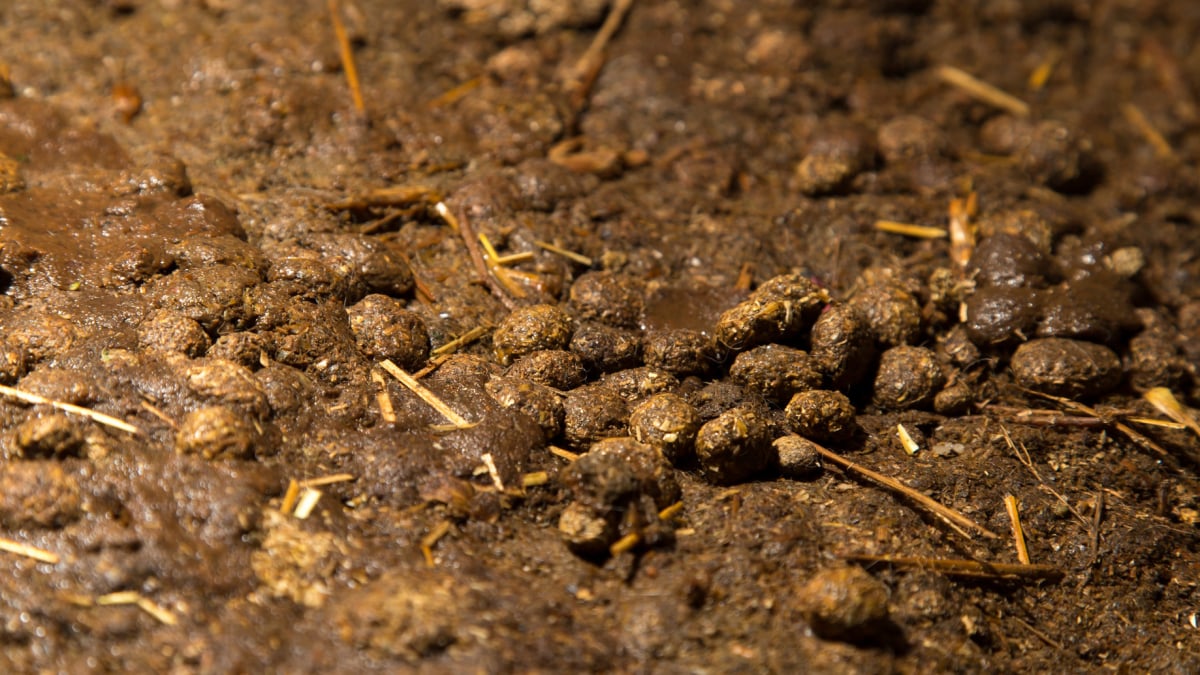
{"x": 202, "y": 237}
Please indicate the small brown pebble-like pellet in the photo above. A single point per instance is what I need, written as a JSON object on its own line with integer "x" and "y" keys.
{"x": 1154, "y": 361}
{"x": 215, "y": 432}
{"x": 666, "y": 422}
{"x": 555, "y": 368}
{"x": 1058, "y": 156}
{"x": 37, "y": 495}
{"x": 838, "y": 152}
{"x": 593, "y": 412}
{"x": 954, "y": 400}
{"x": 168, "y": 330}
{"x": 798, "y": 458}
{"x": 608, "y": 297}
{"x": 48, "y": 436}
{"x": 601, "y": 480}
{"x": 822, "y": 415}
{"x": 908, "y": 137}
{"x": 227, "y": 383}
{"x": 530, "y": 329}
{"x": 1093, "y": 309}
{"x": 635, "y": 384}
{"x": 655, "y": 476}
{"x": 384, "y": 329}
{"x": 908, "y": 377}
{"x": 775, "y": 372}
{"x": 243, "y": 348}
{"x": 1069, "y": 368}
{"x": 734, "y": 446}
{"x": 585, "y": 531}
{"x": 537, "y": 401}
{"x": 681, "y": 351}
{"x": 845, "y": 603}
{"x": 843, "y": 346}
{"x": 1008, "y": 260}
{"x": 891, "y": 312}
{"x": 604, "y": 349}
{"x": 1001, "y": 315}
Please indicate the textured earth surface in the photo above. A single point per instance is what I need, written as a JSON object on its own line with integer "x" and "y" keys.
{"x": 729, "y": 349}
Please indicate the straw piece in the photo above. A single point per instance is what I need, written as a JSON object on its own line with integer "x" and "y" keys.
{"x": 1166, "y": 403}
{"x": 570, "y": 255}
{"x": 956, "y": 520}
{"x": 40, "y": 555}
{"x": 1012, "y": 505}
{"x": 425, "y": 395}
{"x": 347, "y": 56}
{"x": 308, "y": 501}
{"x": 967, "y": 568}
{"x": 911, "y": 230}
{"x": 327, "y": 480}
{"x": 1142, "y": 124}
{"x": 982, "y": 90}
{"x": 99, "y": 417}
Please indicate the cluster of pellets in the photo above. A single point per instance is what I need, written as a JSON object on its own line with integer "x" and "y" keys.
{"x": 638, "y": 402}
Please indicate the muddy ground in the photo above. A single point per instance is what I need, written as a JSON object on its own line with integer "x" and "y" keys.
{"x": 203, "y": 238}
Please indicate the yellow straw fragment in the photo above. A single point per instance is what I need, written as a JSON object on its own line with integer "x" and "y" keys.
{"x": 40, "y": 555}
{"x": 425, "y": 395}
{"x": 1138, "y": 119}
{"x": 570, "y": 255}
{"x": 982, "y": 90}
{"x": 1012, "y": 505}
{"x": 1166, "y": 403}
{"x": 69, "y": 407}
{"x": 911, "y": 230}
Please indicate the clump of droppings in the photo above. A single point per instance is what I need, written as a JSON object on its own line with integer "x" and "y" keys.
{"x": 781, "y": 309}
{"x": 555, "y": 368}
{"x": 168, "y": 330}
{"x": 908, "y": 377}
{"x": 775, "y": 372}
{"x": 635, "y": 384}
{"x": 891, "y": 312}
{"x": 1068, "y": 368}
{"x": 845, "y": 603}
{"x": 215, "y": 432}
{"x": 604, "y": 349}
{"x": 681, "y": 351}
{"x": 530, "y": 329}
{"x": 837, "y": 154}
{"x": 384, "y": 329}
{"x": 668, "y": 423}
{"x": 608, "y": 297}
{"x": 734, "y": 446}
{"x": 798, "y": 457}
{"x": 538, "y": 401}
{"x": 592, "y": 413}
{"x": 842, "y": 345}
{"x": 51, "y": 436}
{"x": 822, "y": 415}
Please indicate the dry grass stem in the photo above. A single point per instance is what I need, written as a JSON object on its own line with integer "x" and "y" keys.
{"x": 157, "y": 412}
{"x": 514, "y": 258}
{"x": 1012, "y": 505}
{"x": 974, "y": 569}
{"x": 40, "y": 555}
{"x": 163, "y": 616}
{"x": 535, "y": 479}
{"x": 1023, "y": 457}
{"x": 569, "y": 255}
{"x": 430, "y": 540}
{"x": 483, "y": 275}
{"x": 983, "y": 91}
{"x": 1166, "y": 403}
{"x": 1123, "y": 428}
{"x": 962, "y": 229}
{"x": 460, "y": 341}
{"x": 456, "y": 93}
{"x": 397, "y": 196}
{"x": 331, "y": 479}
{"x": 289, "y": 497}
{"x": 1041, "y": 75}
{"x": 347, "y": 56}
{"x": 425, "y": 395}
{"x": 490, "y": 463}
{"x": 1142, "y": 124}
{"x": 98, "y": 417}
{"x": 624, "y": 544}
{"x": 956, "y": 520}
{"x": 579, "y": 82}
{"x": 307, "y": 502}
{"x": 911, "y": 230}
{"x": 907, "y": 442}
{"x": 671, "y": 511}
{"x": 565, "y": 454}
{"x": 501, "y": 273}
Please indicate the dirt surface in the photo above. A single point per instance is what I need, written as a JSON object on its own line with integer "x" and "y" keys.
{"x": 203, "y": 238}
